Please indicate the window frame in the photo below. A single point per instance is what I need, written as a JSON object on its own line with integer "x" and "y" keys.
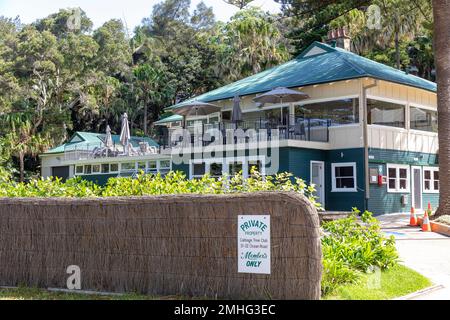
{"x": 402, "y": 103}
{"x": 432, "y": 180}
{"x": 82, "y": 170}
{"x": 397, "y": 167}
{"x": 333, "y": 177}
{"x": 114, "y": 171}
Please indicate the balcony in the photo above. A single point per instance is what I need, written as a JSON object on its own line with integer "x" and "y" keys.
{"x": 262, "y": 129}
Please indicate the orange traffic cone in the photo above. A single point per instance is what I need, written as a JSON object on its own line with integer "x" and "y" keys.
{"x": 426, "y": 226}
{"x": 412, "y": 218}
{"x": 429, "y": 207}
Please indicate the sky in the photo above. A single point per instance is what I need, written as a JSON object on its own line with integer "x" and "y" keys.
{"x": 100, "y": 11}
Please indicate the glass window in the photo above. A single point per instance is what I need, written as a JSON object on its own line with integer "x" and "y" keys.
{"x": 344, "y": 176}
{"x": 95, "y": 168}
{"x": 213, "y": 119}
{"x": 114, "y": 167}
{"x": 79, "y": 169}
{"x": 215, "y": 170}
{"x": 152, "y": 167}
{"x": 129, "y": 166}
{"x": 164, "y": 164}
{"x": 105, "y": 168}
{"x": 339, "y": 112}
{"x": 234, "y": 167}
{"x": 254, "y": 165}
{"x": 198, "y": 169}
{"x": 88, "y": 169}
{"x": 142, "y": 166}
{"x": 430, "y": 180}
{"x": 398, "y": 178}
{"x": 226, "y": 115}
{"x": 425, "y": 120}
{"x": 385, "y": 113}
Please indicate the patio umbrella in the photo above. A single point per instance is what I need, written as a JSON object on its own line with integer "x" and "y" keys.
{"x": 108, "y": 138}
{"x": 125, "y": 132}
{"x": 236, "y": 115}
{"x": 195, "y": 108}
{"x": 281, "y": 95}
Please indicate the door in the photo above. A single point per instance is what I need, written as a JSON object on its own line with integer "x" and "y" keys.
{"x": 318, "y": 179}
{"x": 416, "y": 188}
{"x": 61, "y": 172}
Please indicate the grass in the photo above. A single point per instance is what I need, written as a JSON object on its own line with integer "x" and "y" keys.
{"x": 23, "y": 293}
{"x": 393, "y": 283}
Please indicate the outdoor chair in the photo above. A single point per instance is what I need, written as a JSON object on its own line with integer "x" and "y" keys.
{"x": 298, "y": 130}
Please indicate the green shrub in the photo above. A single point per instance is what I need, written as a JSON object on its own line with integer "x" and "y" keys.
{"x": 351, "y": 247}
{"x": 148, "y": 184}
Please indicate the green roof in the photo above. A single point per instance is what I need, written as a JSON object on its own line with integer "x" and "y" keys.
{"x": 173, "y": 118}
{"x": 319, "y": 63}
{"x": 91, "y": 140}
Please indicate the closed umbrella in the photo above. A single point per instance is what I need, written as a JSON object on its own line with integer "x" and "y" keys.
{"x": 108, "y": 138}
{"x": 125, "y": 133}
{"x": 236, "y": 115}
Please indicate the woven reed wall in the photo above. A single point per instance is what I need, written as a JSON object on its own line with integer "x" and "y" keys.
{"x": 184, "y": 244}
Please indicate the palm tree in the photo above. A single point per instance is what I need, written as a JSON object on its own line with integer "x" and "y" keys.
{"x": 441, "y": 12}
{"x": 22, "y": 138}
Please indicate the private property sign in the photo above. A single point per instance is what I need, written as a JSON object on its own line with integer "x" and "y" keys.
{"x": 254, "y": 244}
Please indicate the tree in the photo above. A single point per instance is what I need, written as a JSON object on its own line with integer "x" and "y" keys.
{"x": 310, "y": 19}
{"x": 254, "y": 43}
{"x": 114, "y": 53}
{"x": 441, "y": 12}
{"x": 152, "y": 90}
{"x": 241, "y": 4}
{"x": 22, "y": 138}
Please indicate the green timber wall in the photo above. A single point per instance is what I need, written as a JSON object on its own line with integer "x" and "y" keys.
{"x": 298, "y": 162}
{"x": 382, "y": 201}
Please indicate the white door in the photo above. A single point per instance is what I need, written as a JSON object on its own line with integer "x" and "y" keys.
{"x": 318, "y": 179}
{"x": 416, "y": 188}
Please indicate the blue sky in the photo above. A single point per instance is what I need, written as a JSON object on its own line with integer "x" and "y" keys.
{"x": 132, "y": 11}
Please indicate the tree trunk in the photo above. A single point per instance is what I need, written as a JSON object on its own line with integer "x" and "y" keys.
{"x": 397, "y": 50}
{"x": 441, "y": 12}
{"x": 145, "y": 118}
{"x": 22, "y": 166}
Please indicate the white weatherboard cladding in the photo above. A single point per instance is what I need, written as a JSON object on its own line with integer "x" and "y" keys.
{"x": 254, "y": 244}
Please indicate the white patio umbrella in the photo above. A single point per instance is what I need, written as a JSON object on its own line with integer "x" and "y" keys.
{"x": 125, "y": 135}
{"x": 108, "y": 138}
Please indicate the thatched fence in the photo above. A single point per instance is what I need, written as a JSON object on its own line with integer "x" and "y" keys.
{"x": 164, "y": 245}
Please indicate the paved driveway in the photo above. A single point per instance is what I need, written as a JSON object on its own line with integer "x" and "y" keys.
{"x": 426, "y": 252}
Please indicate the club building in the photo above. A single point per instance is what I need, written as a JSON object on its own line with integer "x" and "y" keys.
{"x": 366, "y": 136}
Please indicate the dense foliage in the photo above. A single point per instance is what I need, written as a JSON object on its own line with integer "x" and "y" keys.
{"x": 351, "y": 247}
{"x": 149, "y": 184}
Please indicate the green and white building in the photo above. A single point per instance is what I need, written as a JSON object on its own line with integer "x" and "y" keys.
{"x": 366, "y": 136}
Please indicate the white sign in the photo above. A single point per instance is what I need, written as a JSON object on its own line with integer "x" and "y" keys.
{"x": 254, "y": 244}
